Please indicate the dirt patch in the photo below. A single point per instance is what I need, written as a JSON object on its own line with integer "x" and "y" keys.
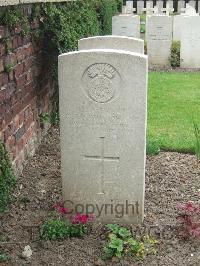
{"x": 170, "y": 178}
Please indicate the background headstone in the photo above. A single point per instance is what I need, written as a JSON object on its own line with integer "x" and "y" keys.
{"x": 181, "y": 4}
{"x": 159, "y": 39}
{"x": 159, "y": 4}
{"x": 170, "y": 6}
{"x": 103, "y": 97}
{"x": 199, "y": 7}
{"x": 178, "y": 25}
{"x": 193, "y": 4}
{"x": 190, "y": 42}
{"x": 140, "y": 6}
{"x": 189, "y": 10}
{"x": 150, "y": 3}
{"x": 126, "y": 25}
{"x": 129, "y": 7}
{"x": 112, "y": 42}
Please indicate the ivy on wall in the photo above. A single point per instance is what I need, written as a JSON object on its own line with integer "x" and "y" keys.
{"x": 65, "y": 24}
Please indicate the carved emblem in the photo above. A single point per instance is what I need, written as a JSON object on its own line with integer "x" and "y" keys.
{"x": 100, "y": 80}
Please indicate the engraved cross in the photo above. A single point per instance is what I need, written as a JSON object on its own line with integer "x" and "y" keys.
{"x": 102, "y": 159}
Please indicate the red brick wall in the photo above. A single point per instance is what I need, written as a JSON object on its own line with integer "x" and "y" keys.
{"x": 25, "y": 92}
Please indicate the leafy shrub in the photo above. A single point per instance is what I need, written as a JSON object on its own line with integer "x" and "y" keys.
{"x": 106, "y": 9}
{"x": 52, "y": 118}
{"x": 7, "y": 179}
{"x": 175, "y": 54}
{"x": 152, "y": 148}
{"x": 197, "y": 135}
{"x": 121, "y": 243}
{"x": 11, "y": 17}
{"x": 55, "y": 230}
{"x": 188, "y": 220}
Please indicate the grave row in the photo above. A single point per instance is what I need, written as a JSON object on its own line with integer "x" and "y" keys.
{"x": 161, "y": 31}
{"x": 160, "y": 4}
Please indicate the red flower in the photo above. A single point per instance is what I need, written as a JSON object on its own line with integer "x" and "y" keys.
{"x": 60, "y": 208}
{"x": 81, "y": 218}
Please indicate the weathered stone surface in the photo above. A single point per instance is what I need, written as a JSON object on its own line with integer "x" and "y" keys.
{"x": 190, "y": 42}
{"x": 178, "y": 25}
{"x": 112, "y": 42}
{"x": 159, "y": 39}
{"x": 103, "y": 124}
{"x": 126, "y": 25}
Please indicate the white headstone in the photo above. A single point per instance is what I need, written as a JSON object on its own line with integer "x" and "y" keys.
{"x": 112, "y": 42}
{"x": 169, "y": 7}
{"x": 189, "y": 10}
{"x": 149, "y": 3}
{"x": 193, "y": 4}
{"x": 140, "y": 7}
{"x": 159, "y": 4}
{"x": 149, "y": 8}
{"x": 190, "y": 42}
{"x": 181, "y": 4}
{"x": 168, "y": 10}
{"x": 178, "y": 21}
{"x": 159, "y": 39}
{"x": 178, "y": 25}
{"x": 129, "y": 7}
{"x": 103, "y": 97}
{"x": 126, "y": 25}
{"x": 156, "y": 10}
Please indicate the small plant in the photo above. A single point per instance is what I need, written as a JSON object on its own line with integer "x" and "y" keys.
{"x": 9, "y": 68}
{"x": 25, "y": 28}
{"x": 52, "y": 118}
{"x": 197, "y": 135}
{"x": 152, "y": 148}
{"x": 121, "y": 243}
{"x": 188, "y": 220}
{"x": 142, "y": 28}
{"x": 3, "y": 257}
{"x": 65, "y": 225}
{"x": 175, "y": 54}
{"x": 55, "y": 230}
{"x": 7, "y": 179}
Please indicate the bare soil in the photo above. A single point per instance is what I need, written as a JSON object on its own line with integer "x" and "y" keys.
{"x": 170, "y": 178}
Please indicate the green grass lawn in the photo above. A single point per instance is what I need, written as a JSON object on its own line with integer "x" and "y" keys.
{"x": 173, "y": 105}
